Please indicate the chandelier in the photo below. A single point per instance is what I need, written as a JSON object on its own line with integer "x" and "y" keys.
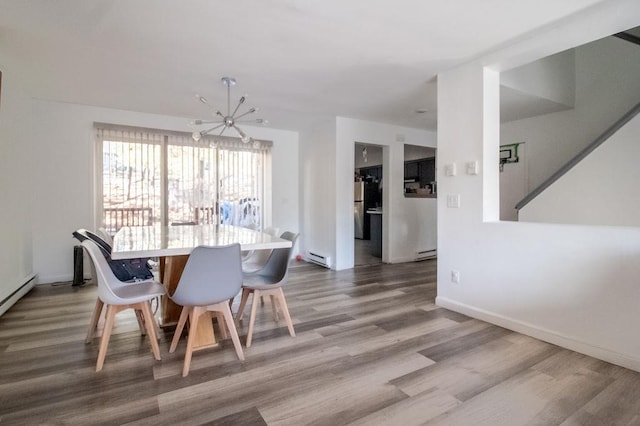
{"x": 228, "y": 121}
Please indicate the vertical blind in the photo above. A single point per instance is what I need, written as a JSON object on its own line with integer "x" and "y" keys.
{"x": 155, "y": 177}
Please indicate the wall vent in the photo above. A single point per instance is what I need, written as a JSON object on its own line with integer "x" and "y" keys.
{"x": 426, "y": 254}
{"x": 318, "y": 259}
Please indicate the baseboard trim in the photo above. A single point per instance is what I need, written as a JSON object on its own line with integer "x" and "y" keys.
{"x": 24, "y": 288}
{"x": 49, "y": 279}
{"x": 568, "y": 342}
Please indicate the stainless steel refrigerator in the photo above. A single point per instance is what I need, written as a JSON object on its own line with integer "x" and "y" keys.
{"x": 366, "y": 195}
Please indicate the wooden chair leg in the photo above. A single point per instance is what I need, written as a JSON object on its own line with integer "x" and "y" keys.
{"x": 184, "y": 314}
{"x": 141, "y": 324}
{"x": 196, "y": 311}
{"x": 221, "y": 325}
{"x": 149, "y": 320}
{"x": 106, "y": 334}
{"x": 252, "y": 319}
{"x": 243, "y": 303}
{"x": 274, "y": 307}
{"x": 156, "y": 325}
{"x": 95, "y": 318}
{"x": 285, "y": 311}
{"x": 232, "y": 330}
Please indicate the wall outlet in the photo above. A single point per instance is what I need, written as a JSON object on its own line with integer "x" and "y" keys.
{"x": 455, "y": 277}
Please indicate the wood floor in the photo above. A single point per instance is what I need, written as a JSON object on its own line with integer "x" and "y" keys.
{"x": 362, "y": 253}
{"x": 371, "y": 349}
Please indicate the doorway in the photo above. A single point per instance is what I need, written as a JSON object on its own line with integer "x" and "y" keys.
{"x": 367, "y": 211}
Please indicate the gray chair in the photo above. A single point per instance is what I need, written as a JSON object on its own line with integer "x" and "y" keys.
{"x": 211, "y": 277}
{"x": 256, "y": 259}
{"x": 118, "y": 296}
{"x": 268, "y": 281}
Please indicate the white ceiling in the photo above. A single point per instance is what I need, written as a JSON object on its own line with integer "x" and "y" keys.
{"x": 298, "y": 60}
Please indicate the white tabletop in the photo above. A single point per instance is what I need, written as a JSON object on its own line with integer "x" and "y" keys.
{"x": 152, "y": 241}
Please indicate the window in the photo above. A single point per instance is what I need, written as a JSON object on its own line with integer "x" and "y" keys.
{"x": 156, "y": 177}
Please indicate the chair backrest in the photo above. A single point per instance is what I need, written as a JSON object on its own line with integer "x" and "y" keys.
{"x": 82, "y": 234}
{"x": 105, "y": 236}
{"x": 211, "y": 275}
{"x": 126, "y": 270}
{"x": 278, "y": 264}
{"x": 106, "y": 279}
{"x": 271, "y": 230}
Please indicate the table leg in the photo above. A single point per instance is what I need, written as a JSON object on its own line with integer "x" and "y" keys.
{"x": 171, "y": 268}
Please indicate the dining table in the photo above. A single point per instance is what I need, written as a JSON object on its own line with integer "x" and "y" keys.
{"x": 172, "y": 246}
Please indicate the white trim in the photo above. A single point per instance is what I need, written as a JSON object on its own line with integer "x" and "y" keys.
{"x": 568, "y": 342}
{"x": 21, "y": 291}
{"x": 49, "y": 279}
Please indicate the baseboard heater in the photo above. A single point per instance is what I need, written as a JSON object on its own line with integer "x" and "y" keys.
{"x": 8, "y": 301}
{"x": 318, "y": 259}
{"x": 426, "y": 254}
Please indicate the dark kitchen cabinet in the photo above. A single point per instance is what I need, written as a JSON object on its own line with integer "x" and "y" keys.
{"x": 419, "y": 174}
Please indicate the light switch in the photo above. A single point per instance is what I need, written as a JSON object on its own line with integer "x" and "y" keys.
{"x": 450, "y": 169}
{"x": 453, "y": 201}
{"x": 471, "y": 167}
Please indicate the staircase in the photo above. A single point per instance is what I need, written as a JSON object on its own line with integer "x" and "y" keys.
{"x": 580, "y": 156}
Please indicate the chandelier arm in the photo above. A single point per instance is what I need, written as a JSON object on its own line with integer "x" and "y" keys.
{"x": 251, "y": 111}
{"x": 211, "y": 129}
{"x": 243, "y": 136}
{"x": 199, "y": 122}
{"x": 250, "y": 120}
{"x": 228, "y": 99}
{"x": 222, "y": 131}
{"x": 240, "y": 102}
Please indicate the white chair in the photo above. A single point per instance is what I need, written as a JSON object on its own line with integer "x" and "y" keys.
{"x": 118, "y": 296}
{"x": 268, "y": 281}
{"x": 211, "y": 277}
{"x": 105, "y": 236}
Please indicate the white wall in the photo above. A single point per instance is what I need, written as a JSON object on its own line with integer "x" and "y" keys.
{"x": 63, "y": 171}
{"x": 15, "y": 182}
{"x": 600, "y": 190}
{"x": 552, "y": 78}
{"x": 573, "y": 285}
{"x": 408, "y": 224}
{"x": 604, "y": 93}
{"x": 318, "y": 188}
{"x": 414, "y": 152}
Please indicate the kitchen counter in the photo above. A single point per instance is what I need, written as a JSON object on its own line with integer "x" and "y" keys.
{"x": 376, "y": 232}
{"x": 414, "y": 195}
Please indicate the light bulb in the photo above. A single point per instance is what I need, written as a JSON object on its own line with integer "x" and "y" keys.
{"x": 196, "y": 136}
{"x": 243, "y": 136}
